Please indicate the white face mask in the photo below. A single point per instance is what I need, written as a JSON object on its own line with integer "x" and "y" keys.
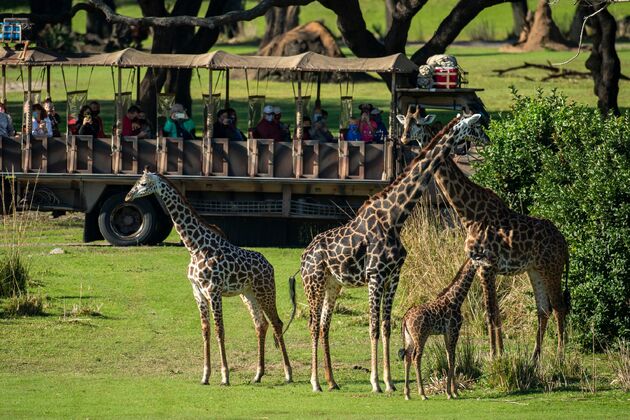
{"x": 269, "y": 117}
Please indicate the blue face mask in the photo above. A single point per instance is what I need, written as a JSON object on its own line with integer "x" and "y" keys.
{"x": 35, "y": 114}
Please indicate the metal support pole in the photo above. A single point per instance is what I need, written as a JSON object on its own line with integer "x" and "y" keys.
{"x": 299, "y": 118}
{"x": 318, "y": 103}
{"x": 227, "y": 88}
{"x": 210, "y": 109}
{"x": 29, "y": 105}
{"x": 48, "y": 82}
{"x": 390, "y": 149}
{"x": 4, "y": 84}
{"x": 137, "y": 84}
{"x": 119, "y": 110}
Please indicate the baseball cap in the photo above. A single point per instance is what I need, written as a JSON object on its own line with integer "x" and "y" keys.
{"x": 268, "y": 109}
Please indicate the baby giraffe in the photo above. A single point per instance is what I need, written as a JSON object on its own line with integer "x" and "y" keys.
{"x": 442, "y": 316}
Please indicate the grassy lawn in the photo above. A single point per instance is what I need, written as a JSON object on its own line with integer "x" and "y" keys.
{"x": 139, "y": 353}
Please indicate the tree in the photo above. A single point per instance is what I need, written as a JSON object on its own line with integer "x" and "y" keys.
{"x": 541, "y": 31}
{"x": 519, "y": 14}
{"x": 279, "y": 21}
{"x": 96, "y": 24}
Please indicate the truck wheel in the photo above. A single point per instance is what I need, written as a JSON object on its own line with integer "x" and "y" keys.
{"x": 127, "y": 223}
{"x": 164, "y": 227}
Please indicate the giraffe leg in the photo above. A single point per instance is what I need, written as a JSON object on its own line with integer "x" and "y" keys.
{"x": 332, "y": 291}
{"x": 269, "y": 307}
{"x": 543, "y": 308}
{"x": 407, "y": 359}
{"x": 418, "y": 359}
{"x": 217, "y": 314}
{"x": 488, "y": 277}
{"x": 450, "y": 340}
{"x": 315, "y": 296}
{"x": 204, "y": 314}
{"x": 553, "y": 283}
{"x": 261, "y": 325}
{"x": 375, "y": 292}
{"x": 386, "y": 327}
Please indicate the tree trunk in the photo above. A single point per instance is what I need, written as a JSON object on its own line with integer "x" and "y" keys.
{"x": 519, "y": 14}
{"x": 97, "y": 25}
{"x": 232, "y": 31}
{"x": 576, "y": 25}
{"x": 390, "y": 6}
{"x": 279, "y": 20}
{"x": 603, "y": 62}
{"x": 543, "y": 32}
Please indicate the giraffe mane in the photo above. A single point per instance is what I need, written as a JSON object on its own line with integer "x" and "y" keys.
{"x": 426, "y": 149}
{"x": 216, "y": 229}
{"x": 460, "y": 274}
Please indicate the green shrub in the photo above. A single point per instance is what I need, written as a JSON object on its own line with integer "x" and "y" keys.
{"x": 513, "y": 371}
{"x": 561, "y": 161}
{"x": 14, "y": 274}
{"x": 23, "y": 305}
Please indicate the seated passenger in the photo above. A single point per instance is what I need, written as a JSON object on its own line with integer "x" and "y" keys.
{"x": 141, "y": 127}
{"x": 224, "y": 129}
{"x": 239, "y": 136}
{"x": 380, "y": 134}
{"x": 366, "y": 128}
{"x": 320, "y": 130}
{"x": 132, "y": 114}
{"x": 306, "y": 129}
{"x": 6, "y": 123}
{"x": 284, "y": 128}
{"x": 55, "y": 119}
{"x": 85, "y": 123}
{"x": 353, "y": 133}
{"x": 42, "y": 126}
{"x": 96, "y": 110}
{"x": 179, "y": 124}
{"x": 266, "y": 128}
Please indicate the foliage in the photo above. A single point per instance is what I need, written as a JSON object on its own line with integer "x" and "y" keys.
{"x": 23, "y": 305}
{"x": 58, "y": 38}
{"x": 513, "y": 371}
{"x": 14, "y": 274}
{"x": 561, "y": 161}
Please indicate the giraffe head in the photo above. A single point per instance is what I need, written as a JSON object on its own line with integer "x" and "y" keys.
{"x": 415, "y": 127}
{"x": 470, "y": 127}
{"x": 482, "y": 250}
{"x": 149, "y": 183}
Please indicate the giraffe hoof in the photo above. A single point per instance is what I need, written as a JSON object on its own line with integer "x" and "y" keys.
{"x": 390, "y": 388}
{"x": 204, "y": 382}
{"x": 288, "y": 381}
{"x": 424, "y": 398}
{"x": 333, "y": 387}
{"x": 407, "y": 398}
{"x": 317, "y": 389}
{"x": 224, "y": 384}
{"x": 256, "y": 380}
{"x": 377, "y": 390}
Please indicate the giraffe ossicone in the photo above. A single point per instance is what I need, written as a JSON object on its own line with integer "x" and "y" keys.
{"x": 218, "y": 268}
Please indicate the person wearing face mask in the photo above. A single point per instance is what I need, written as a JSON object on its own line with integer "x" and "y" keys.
{"x": 284, "y": 128}
{"x": 320, "y": 130}
{"x": 41, "y": 123}
{"x": 55, "y": 119}
{"x": 267, "y": 128}
{"x": 6, "y": 123}
{"x": 238, "y": 134}
{"x": 223, "y": 128}
{"x": 96, "y": 120}
{"x": 380, "y": 134}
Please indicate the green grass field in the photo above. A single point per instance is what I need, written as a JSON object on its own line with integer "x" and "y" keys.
{"x": 140, "y": 356}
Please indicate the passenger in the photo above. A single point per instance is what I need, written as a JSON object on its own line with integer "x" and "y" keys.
{"x": 284, "y": 128}
{"x": 306, "y": 129}
{"x": 320, "y": 130}
{"x": 132, "y": 114}
{"x": 55, "y": 119}
{"x": 141, "y": 127}
{"x": 266, "y": 128}
{"x": 86, "y": 125}
{"x": 353, "y": 133}
{"x": 6, "y": 123}
{"x": 224, "y": 129}
{"x": 380, "y": 134}
{"x": 41, "y": 123}
{"x": 239, "y": 136}
{"x": 96, "y": 110}
{"x": 366, "y": 128}
{"x": 366, "y": 108}
{"x": 179, "y": 124}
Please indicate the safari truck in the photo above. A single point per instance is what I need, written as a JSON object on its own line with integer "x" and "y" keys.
{"x": 259, "y": 191}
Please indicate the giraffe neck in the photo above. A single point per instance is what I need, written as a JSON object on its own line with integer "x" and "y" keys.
{"x": 188, "y": 224}
{"x": 460, "y": 287}
{"x": 470, "y": 201}
{"x": 407, "y": 191}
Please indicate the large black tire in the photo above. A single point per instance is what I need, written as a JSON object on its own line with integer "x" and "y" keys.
{"x": 128, "y": 223}
{"x": 164, "y": 227}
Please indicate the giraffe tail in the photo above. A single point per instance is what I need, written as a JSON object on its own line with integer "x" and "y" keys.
{"x": 403, "y": 351}
{"x": 293, "y": 300}
{"x": 567, "y": 293}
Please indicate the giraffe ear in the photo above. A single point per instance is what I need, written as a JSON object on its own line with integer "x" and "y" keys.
{"x": 400, "y": 118}
{"x": 146, "y": 170}
{"x": 474, "y": 118}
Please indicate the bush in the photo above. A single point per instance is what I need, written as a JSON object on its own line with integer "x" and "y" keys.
{"x": 513, "y": 371}
{"x": 561, "y": 161}
{"x": 23, "y": 305}
{"x": 621, "y": 365}
{"x": 14, "y": 274}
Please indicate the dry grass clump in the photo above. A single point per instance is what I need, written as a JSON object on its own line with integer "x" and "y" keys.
{"x": 513, "y": 371}
{"x": 435, "y": 254}
{"x": 23, "y": 305}
{"x": 620, "y": 362}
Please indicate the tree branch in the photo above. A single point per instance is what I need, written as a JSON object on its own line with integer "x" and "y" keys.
{"x": 52, "y": 19}
{"x": 402, "y": 15}
{"x": 206, "y": 22}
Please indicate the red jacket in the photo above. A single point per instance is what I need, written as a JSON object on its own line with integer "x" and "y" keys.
{"x": 268, "y": 130}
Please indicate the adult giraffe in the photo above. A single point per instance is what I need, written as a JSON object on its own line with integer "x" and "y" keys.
{"x": 519, "y": 243}
{"x": 218, "y": 268}
{"x": 367, "y": 251}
